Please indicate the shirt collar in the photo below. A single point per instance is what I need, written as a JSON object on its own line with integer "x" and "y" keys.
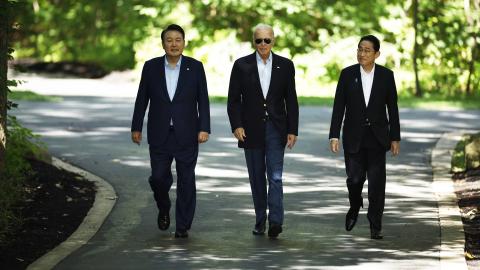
{"x": 363, "y": 72}
{"x": 259, "y": 59}
{"x": 178, "y": 63}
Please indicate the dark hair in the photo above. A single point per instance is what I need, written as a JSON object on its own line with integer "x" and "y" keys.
{"x": 173, "y": 27}
{"x": 373, "y": 39}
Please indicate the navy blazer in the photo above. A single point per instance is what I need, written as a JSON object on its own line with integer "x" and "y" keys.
{"x": 189, "y": 108}
{"x": 247, "y": 107}
{"x": 350, "y": 102}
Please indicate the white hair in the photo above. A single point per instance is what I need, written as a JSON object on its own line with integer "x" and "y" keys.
{"x": 262, "y": 26}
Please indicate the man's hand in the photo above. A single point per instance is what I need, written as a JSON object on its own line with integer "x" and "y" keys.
{"x": 395, "y": 148}
{"x": 334, "y": 145}
{"x": 291, "y": 139}
{"x": 202, "y": 137}
{"x": 136, "y": 137}
{"x": 239, "y": 133}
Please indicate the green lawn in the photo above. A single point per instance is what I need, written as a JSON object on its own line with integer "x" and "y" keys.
{"x": 404, "y": 102}
{"x": 31, "y": 96}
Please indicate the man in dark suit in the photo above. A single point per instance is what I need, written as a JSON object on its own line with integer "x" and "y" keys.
{"x": 263, "y": 113}
{"x": 178, "y": 120}
{"x": 365, "y": 92}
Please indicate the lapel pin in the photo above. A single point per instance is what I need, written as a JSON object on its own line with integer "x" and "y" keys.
{"x": 278, "y": 67}
{"x": 188, "y": 68}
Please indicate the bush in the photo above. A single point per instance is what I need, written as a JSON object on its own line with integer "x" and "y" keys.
{"x": 21, "y": 143}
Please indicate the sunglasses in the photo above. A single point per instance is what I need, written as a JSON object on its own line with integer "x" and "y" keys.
{"x": 266, "y": 40}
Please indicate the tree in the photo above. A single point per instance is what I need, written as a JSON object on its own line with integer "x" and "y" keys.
{"x": 473, "y": 20}
{"x": 97, "y": 31}
{"x": 418, "y": 90}
{"x": 4, "y": 27}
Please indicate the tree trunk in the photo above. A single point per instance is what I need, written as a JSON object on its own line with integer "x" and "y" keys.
{"x": 4, "y": 18}
{"x": 471, "y": 68}
{"x": 418, "y": 90}
{"x": 473, "y": 23}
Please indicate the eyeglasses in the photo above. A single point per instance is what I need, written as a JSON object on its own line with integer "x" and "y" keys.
{"x": 266, "y": 40}
{"x": 366, "y": 51}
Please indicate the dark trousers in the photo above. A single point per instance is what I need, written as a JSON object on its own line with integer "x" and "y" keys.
{"x": 367, "y": 163}
{"x": 267, "y": 160}
{"x": 161, "y": 180}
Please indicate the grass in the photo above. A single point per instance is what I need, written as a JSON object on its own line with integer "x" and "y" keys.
{"x": 466, "y": 155}
{"x": 31, "y": 96}
{"x": 427, "y": 102}
{"x": 431, "y": 102}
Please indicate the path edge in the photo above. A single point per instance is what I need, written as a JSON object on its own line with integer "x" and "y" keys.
{"x": 452, "y": 237}
{"x": 105, "y": 199}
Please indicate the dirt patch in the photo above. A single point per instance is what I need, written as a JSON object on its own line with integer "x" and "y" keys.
{"x": 56, "y": 203}
{"x": 467, "y": 189}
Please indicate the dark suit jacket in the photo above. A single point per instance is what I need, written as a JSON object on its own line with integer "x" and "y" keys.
{"x": 350, "y": 102}
{"x": 247, "y": 107}
{"x": 189, "y": 108}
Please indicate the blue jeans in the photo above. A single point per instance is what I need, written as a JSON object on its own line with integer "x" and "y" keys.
{"x": 270, "y": 160}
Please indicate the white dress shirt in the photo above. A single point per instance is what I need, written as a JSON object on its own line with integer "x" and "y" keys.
{"x": 367, "y": 81}
{"x": 171, "y": 78}
{"x": 264, "y": 73}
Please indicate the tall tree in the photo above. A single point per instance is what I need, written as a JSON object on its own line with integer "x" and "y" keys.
{"x": 4, "y": 25}
{"x": 418, "y": 89}
{"x": 472, "y": 15}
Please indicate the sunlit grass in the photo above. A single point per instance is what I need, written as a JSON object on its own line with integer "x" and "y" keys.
{"x": 31, "y": 96}
{"x": 436, "y": 103}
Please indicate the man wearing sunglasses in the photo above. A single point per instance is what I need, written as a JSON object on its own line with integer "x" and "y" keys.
{"x": 263, "y": 113}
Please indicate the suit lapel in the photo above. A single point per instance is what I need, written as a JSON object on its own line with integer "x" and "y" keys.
{"x": 163, "y": 78}
{"x": 275, "y": 73}
{"x": 184, "y": 70}
{"x": 376, "y": 78}
{"x": 255, "y": 76}
{"x": 359, "y": 85}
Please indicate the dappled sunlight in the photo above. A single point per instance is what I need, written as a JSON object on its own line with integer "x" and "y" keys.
{"x": 95, "y": 134}
{"x": 133, "y": 162}
{"x": 220, "y": 173}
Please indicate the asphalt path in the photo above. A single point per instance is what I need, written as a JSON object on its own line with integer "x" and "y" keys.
{"x": 94, "y": 133}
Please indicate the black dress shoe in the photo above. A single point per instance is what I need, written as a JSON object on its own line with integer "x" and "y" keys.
{"x": 274, "y": 230}
{"x": 259, "y": 230}
{"x": 376, "y": 235}
{"x": 163, "y": 221}
{"x": 351, "y": 218}
{"x": 181, "y": 234}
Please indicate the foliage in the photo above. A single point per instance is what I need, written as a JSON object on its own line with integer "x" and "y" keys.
{"x": 446, "y": 41}
{"x": 21, "y": 143}
{"x": 108, "y": 32}
{"x": 303, "y": 25}
{"x": 97, "y": 31}
{"x": 466, "y": 155}
{"x": 458, "y": 156}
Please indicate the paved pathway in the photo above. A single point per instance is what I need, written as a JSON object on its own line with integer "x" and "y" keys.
{"x": 94, "y": 133}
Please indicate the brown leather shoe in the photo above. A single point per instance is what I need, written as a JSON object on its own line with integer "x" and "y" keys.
{"x": 181, "y": 234}
{"x": 274, "y": 230}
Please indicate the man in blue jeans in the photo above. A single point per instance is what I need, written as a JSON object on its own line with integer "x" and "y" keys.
{"x": 263, "y": 114}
